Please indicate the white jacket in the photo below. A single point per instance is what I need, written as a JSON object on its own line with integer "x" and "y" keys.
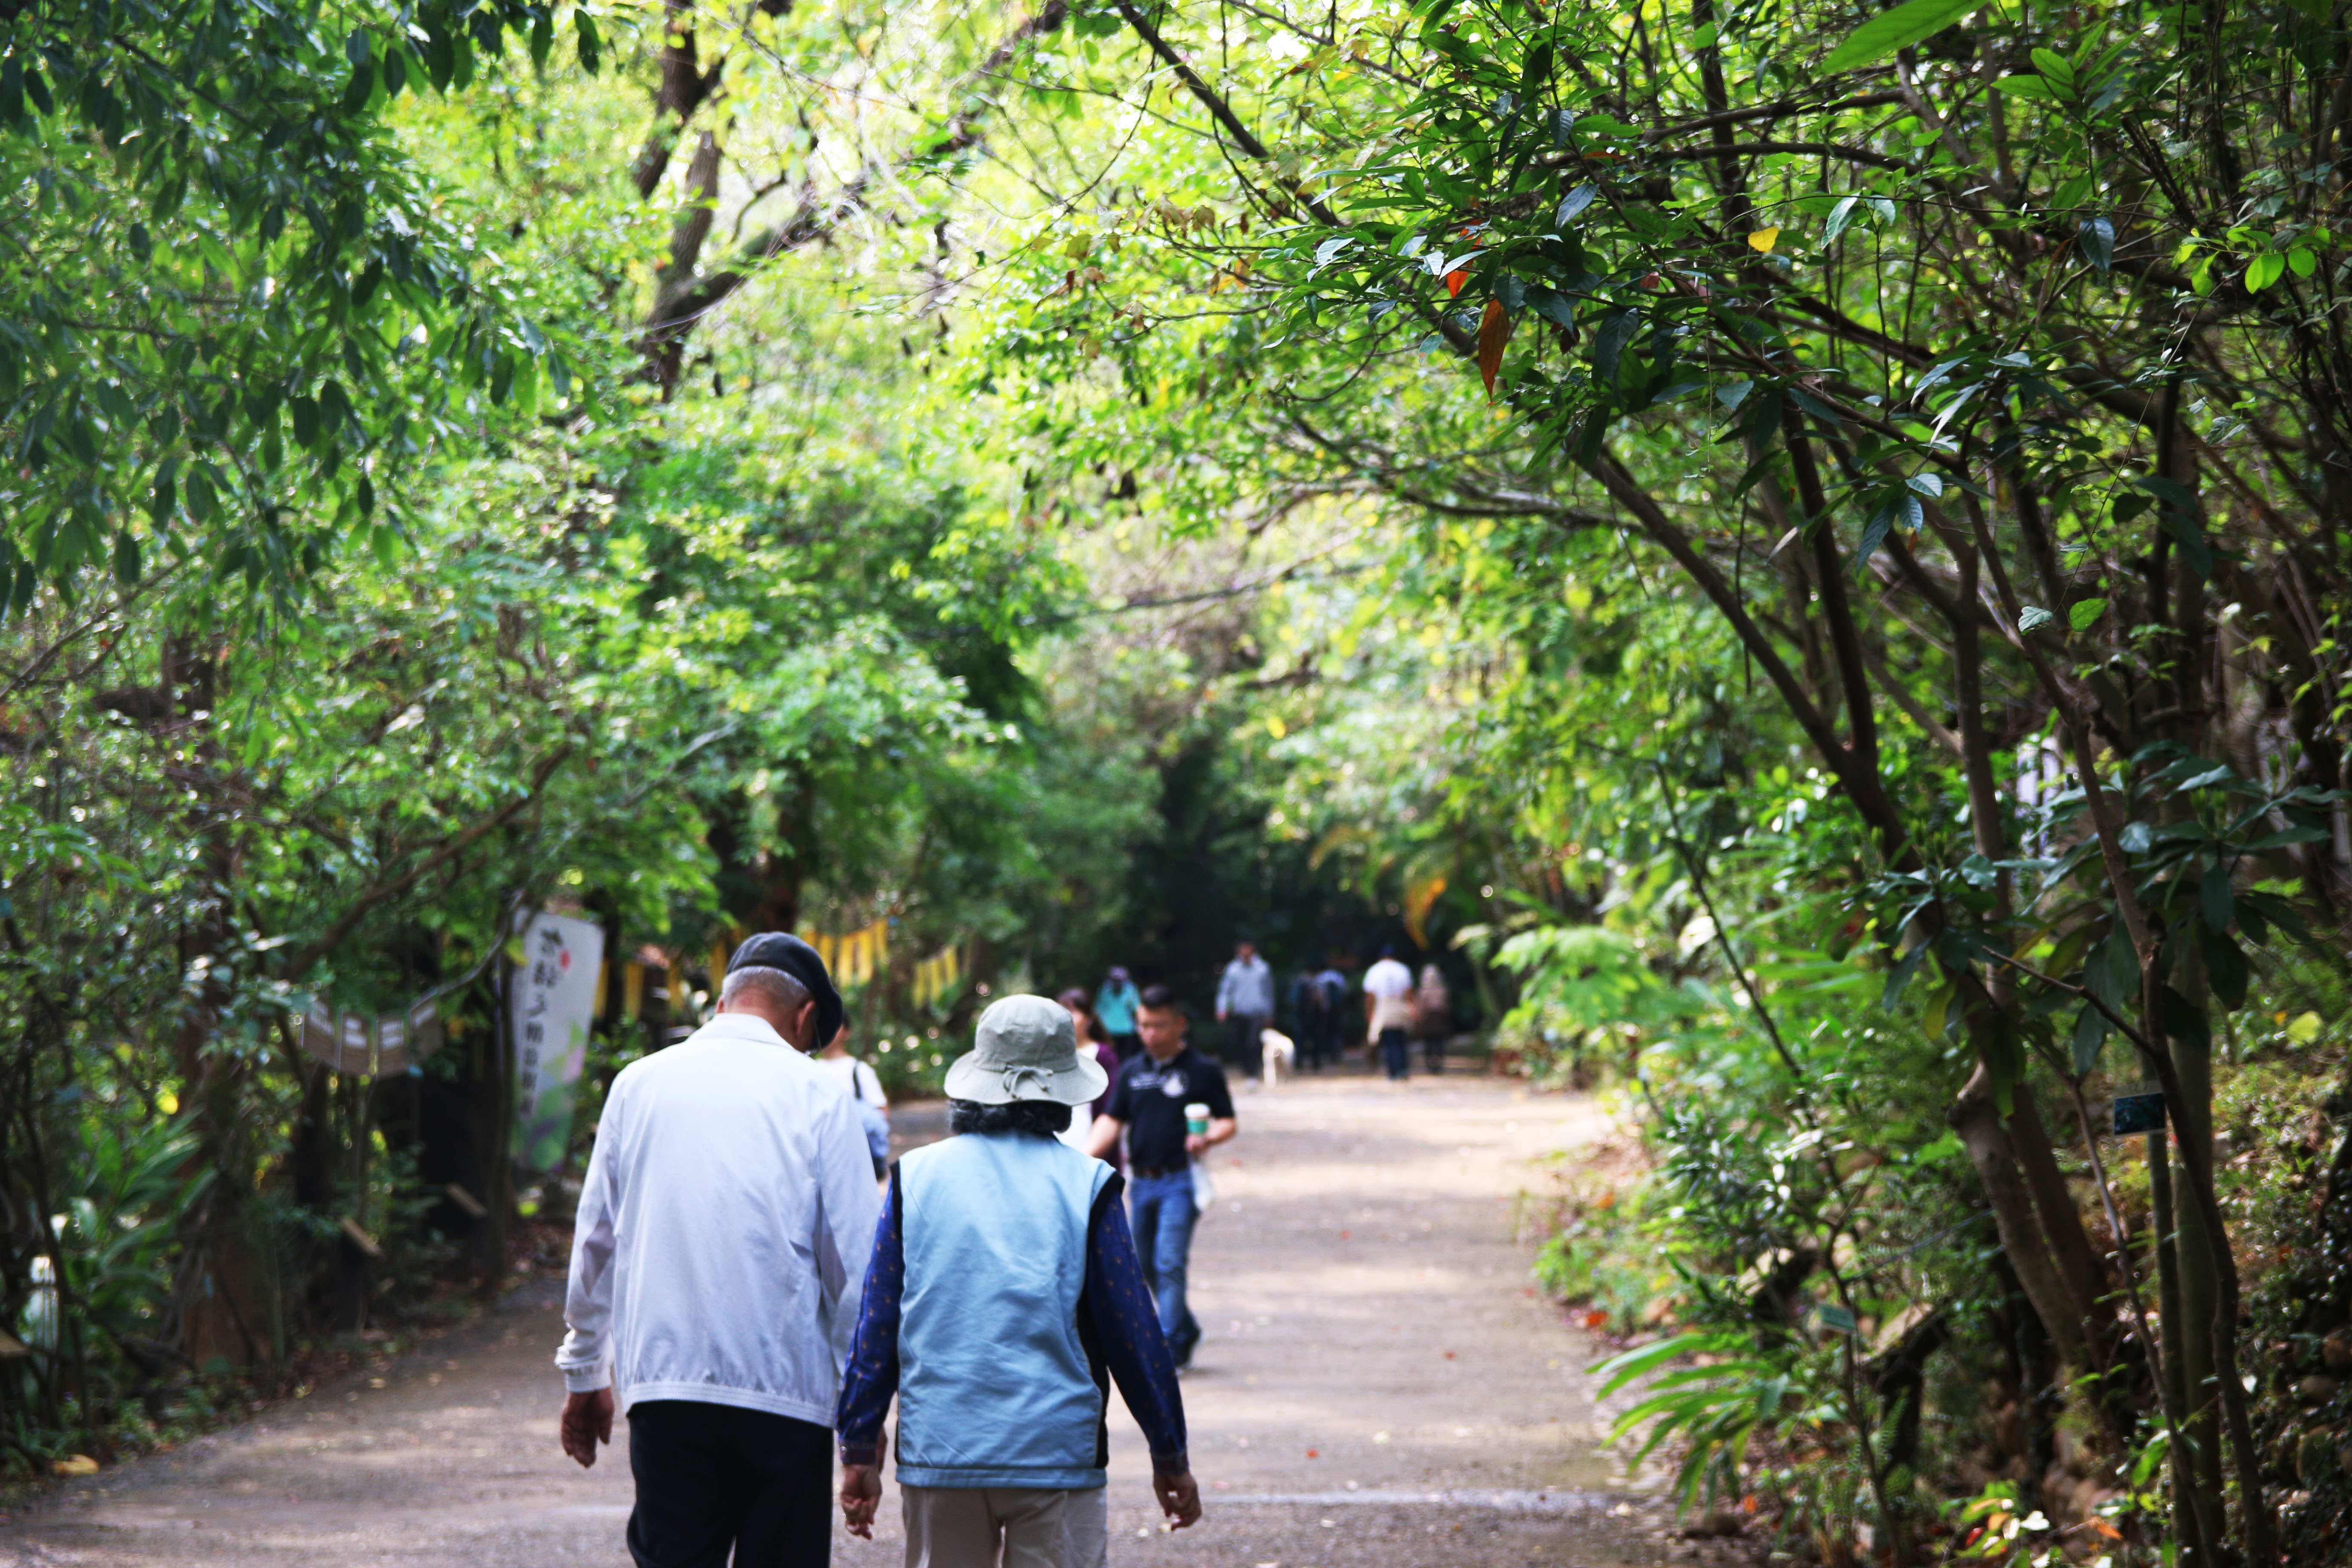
{"x": 723, "y": 1231}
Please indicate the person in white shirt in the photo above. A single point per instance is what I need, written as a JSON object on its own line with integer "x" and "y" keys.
{"x": 864, "y": 1086}
{"x": 717, "y": 1264}
{"x": 1388, "y": 1010}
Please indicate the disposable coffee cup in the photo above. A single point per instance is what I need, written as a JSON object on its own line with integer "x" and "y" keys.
{"x": 1196, "y": 1119}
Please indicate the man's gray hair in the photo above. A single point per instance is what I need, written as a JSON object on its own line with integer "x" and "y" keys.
{"x": 774, "y": 986}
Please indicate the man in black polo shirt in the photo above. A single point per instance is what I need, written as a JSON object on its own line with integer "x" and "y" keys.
{"x": 1148, "y": 1105}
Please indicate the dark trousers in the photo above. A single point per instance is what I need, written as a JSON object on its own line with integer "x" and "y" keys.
{"x": 713, "y": 1478}
{"x": 1127, "y": 1045}
{"x": 1392, "y": 1050}
{"x": 1433, "y": 1052}
{"x": 1247, "y": 1028}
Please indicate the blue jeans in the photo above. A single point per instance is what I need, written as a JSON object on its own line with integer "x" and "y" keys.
{"x": 1161, "y": 1215}
{"x": 1392, "y": 1048}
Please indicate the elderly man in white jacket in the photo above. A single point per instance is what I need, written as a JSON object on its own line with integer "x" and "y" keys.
{"x": 716, "y": 1263}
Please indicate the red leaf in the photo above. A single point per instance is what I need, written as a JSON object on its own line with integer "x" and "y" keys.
{"x": 1493, "y": 333}
{"x": 1454, "y": 281}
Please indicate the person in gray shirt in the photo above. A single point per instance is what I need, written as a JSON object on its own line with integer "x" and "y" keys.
{"x": 1246, "y": 999}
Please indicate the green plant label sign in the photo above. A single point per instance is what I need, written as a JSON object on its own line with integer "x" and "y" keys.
{"x": 1833, "y": 1320}
{"x": 553, "y": 995}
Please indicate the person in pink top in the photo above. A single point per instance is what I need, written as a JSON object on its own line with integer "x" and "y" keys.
{"x": 1094, "y": 1047}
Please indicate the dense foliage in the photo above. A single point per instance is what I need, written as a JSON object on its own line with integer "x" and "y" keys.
{"x": 1800, "y": 549}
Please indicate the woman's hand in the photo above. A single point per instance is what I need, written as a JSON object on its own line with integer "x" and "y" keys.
{"x": 1180, "y": 1498}
{"x": 861, "y": 1493}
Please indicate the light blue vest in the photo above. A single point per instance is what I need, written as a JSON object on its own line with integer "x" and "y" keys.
{"x": 995, "y": 1388}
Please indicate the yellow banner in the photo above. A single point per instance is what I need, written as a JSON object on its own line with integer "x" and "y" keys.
{"x": 938, "y": 978}
{"x": 853, "y": 958}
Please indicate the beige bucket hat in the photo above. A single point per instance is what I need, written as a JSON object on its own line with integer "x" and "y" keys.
{"x": 1027, "y": 1050}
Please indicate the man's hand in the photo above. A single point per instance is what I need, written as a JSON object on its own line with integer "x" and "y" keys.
{"x": 587, "y": 1421}
{"x": 1195, "y": 1141}
{"x": 861, "y": 1493}
{"x": 1180, "y": 1498}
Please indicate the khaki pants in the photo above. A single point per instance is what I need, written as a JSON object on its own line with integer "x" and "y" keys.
{"x": 969, "y": 1527}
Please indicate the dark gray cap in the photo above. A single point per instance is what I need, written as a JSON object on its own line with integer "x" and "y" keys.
{"x": 781, "y": 950}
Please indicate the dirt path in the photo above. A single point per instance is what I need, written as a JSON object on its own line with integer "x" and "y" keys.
{"x": 1380, "y": 1385}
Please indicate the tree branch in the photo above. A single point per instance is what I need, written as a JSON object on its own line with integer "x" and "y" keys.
{"x": 299, "y": 961}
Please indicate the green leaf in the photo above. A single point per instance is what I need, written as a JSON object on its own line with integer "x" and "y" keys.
{"x": 2084, "y": 614}
{"x": 1619, "y": 1371}
{"x": 1891, "y": 30}
{"x": 2264, "y": 270}
{"x": 1840, "y": 216}
{"x": 2215, "y": 904}
{"x": 2285, "y": 836}
{"x": 166, "y": 494}
{"x": 2035, "y": 88}
{"x": 2034, "y": 618}
{"x": 2226, "y": 970}
{"x": 2090, "y": 1034}
{"x": 2098, "y": 238}
{"x": 1900, "y": 976}
{"x": 2055, "y": 67}
{"x": 201, "y": 497}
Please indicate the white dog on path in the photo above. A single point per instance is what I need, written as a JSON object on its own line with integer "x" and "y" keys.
{"x": 1279, "y": 1051}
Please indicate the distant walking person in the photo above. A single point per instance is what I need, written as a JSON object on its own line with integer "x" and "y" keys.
{"x": 723, "y": 1231}
{"x": 1388, "y": 1011}
{"x": 1092, "y": 1047}
{"x": 1334, "y": 986}
{"x": 1115, "y": 1002}
{"x": 1003, "y": 1287}
{"x": 859, "y": 1081}
{"x": 1149, "y": 1107}
{"x": 1313, "y": 1010}
{"x": 1246, "y": 999}
{"x": 1433, "y": 1016}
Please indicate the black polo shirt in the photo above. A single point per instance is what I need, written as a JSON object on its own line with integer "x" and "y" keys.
{"x": 1152, "y": 1097}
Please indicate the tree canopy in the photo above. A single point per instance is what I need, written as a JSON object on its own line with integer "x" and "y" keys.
{"x": 1798, "y": 548}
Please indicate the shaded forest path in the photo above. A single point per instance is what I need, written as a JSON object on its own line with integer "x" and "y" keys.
{"x": 1380, "y": 1385}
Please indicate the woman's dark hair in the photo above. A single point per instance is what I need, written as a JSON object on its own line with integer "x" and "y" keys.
{"x": 1039, "y": 1118}
{"x": 1158, "y": 998}
{"x": 1076, "y": 1001}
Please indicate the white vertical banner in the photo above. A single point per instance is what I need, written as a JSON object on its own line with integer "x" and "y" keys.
{"x": 553, "y": 998}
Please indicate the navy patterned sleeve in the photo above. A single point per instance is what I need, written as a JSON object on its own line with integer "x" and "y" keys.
{"x": 871, "y": 1379}
{"x": 1127, "y": 1326}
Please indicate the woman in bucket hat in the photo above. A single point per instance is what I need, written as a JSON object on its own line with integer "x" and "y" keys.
{"x": 1002, "y": 1297}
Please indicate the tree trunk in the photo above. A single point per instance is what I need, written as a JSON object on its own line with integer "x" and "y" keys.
{"x": 1978, "y": 1121}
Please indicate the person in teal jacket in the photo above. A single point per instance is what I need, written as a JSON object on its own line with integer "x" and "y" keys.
{"x": 1002, "y": 1297}
{"x": 1115, "y": 1000}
